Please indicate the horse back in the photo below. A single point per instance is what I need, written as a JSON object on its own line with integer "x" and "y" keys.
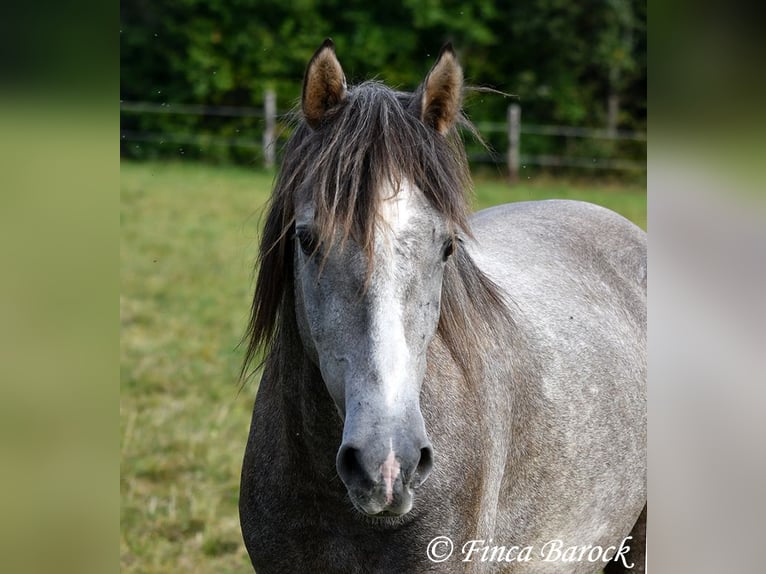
{"x": 578, "y": 249}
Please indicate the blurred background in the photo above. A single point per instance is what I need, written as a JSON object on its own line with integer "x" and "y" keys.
{"x": 207, "y": 80}
{"x": 206, "y": 90}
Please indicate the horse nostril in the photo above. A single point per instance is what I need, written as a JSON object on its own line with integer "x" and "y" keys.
{"x": 350, "y": 467}
{"x": 424, "y": 467}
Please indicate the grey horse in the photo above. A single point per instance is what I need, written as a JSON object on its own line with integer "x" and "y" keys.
{"x": 442, "y": 392}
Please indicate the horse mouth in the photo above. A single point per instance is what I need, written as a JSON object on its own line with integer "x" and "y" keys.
{"x": 379, "y": 507}
{"x": 386, "y": 514}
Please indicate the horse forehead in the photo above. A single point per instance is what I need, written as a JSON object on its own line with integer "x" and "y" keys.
{"x": 401, "y": 208}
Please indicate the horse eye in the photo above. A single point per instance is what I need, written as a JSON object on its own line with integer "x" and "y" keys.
{"x": 449, "y": 248}
{"x": 306, "y": 239}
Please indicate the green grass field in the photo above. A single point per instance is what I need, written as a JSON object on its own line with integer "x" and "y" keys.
{"x": 189, "y": 234}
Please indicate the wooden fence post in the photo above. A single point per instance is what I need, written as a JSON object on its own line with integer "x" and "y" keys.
{"x": 270, "y": 121}
{"x": 514, "y": 140}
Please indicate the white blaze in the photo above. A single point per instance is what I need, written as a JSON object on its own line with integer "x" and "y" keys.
{"x": 391, "y": 351}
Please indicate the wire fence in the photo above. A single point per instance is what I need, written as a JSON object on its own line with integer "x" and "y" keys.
{"x": 273, "y": 127}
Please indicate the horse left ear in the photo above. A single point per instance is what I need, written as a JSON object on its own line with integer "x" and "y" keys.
{"x": 442, "y": 91}
{"x": 324, "y": 84}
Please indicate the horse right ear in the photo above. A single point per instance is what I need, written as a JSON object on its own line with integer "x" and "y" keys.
{"x": 324, "y": 85}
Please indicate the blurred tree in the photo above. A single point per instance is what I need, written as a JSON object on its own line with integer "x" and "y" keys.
{"x": 572, "y": 63}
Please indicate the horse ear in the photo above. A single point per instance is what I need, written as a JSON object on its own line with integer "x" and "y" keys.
{"x": 324, "y": 85}
{"x": 442, "y": 91}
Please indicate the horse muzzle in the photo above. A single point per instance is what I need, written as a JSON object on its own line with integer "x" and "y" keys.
{"x": 382, "y": 481}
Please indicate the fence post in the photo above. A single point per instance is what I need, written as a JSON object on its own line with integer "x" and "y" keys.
{"x": 613, "y": 114}
{"x": 270, "y": 120}
{"x": 514, "y": 140}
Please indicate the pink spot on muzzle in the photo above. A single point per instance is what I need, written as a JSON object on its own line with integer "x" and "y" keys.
{"x": 390, "y": 469}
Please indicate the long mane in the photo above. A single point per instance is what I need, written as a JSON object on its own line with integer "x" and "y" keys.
{"x": 373, "y": 137}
